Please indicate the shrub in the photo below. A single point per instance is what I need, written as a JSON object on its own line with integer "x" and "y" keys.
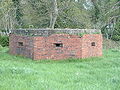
{"x": 116, "y": 38}
{"x": 4, "y": 41}
{"x": 116, "y": 33}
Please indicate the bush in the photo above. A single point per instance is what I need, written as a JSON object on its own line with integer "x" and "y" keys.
{"x": 4, "y": 41}
{"x": 116, "y": 33}
{"x": 116, "y": 38}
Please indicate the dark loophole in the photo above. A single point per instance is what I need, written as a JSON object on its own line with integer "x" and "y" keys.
{"x": 93, "y": 44}
{"x": 58, "y": 44}
{"x": 20, "y": 43}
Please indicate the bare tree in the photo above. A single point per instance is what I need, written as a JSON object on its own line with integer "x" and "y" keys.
{"x": 53, "y": 13}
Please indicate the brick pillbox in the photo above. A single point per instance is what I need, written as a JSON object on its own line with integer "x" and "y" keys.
{"x": 56, "y": 44}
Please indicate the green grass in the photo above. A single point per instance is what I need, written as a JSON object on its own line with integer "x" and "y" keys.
{"x": 19, "y": 73}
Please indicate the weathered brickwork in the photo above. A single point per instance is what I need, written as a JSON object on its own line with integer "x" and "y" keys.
{"x": 23, "y": 50}
{"x": 56, "y": 46}
{"x": 91, "y": 51}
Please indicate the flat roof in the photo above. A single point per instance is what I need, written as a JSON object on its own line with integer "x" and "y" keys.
{"x": 48, "y": 31}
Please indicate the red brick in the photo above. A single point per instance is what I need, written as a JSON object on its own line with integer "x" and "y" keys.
{"x": 44, "y": 47}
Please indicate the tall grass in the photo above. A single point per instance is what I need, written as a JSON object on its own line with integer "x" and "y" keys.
{"x": 19, "y": 73}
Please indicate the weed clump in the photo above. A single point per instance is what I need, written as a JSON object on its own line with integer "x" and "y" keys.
{"x": 4, "y": 41}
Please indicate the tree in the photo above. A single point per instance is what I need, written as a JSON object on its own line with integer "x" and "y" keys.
{"x": 53, "y": 13}
{"x": 99, "y": 14}
{"x": 18, "y": 14}
{"x": 104, "y": 16}
{"x": 7, "y": 16}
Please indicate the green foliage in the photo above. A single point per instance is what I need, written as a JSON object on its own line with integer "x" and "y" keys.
{"x": 73, "y": 17}
{"x": 18, "y": 13}
{"x": 61, "y": 33}
{"x": 105, "y": 16}
{"x": 4, "y": 41}
{"x": 81, "y": 34}
{"x": 19, "y": 73}
{"x": 98, "y": 14}
{"x": 95, "y": 12}
{"x": 116, "y": 37}
{"x": 116, "y": 33}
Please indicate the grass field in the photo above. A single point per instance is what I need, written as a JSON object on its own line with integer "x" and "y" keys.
{"x": 19, "y": 73}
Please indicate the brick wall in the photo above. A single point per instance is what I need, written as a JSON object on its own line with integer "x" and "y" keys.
{"x": 89, "y": 50}
{"x": 56, "y": 46}
{"x": 16, "y": 47}
{"x": 46, "y": 47}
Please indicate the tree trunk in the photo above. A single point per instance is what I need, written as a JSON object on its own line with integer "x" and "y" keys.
{"x": 53, "y": 14}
